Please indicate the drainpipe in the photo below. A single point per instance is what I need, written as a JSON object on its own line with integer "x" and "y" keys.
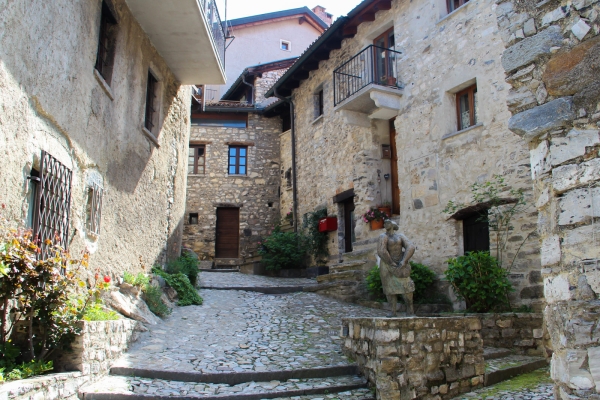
{"x": 293, "y": 129}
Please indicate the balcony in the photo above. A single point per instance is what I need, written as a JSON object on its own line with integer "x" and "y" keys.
{"x": 188, "y": 34}
{"x": 369, "y": 84}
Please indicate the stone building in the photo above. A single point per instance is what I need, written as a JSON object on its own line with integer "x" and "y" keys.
{"x": 233, "y": 169}
{"x": 94, "y": 121}
{"x": 406, "y": 103}
{"x": 552, "y": 64}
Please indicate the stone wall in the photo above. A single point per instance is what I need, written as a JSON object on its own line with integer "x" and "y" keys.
{"x": 551, "y": 62}
{"x": 521, "y": 333}
{"x": 436, "y": 163}
{"x": 424, "y": 358}
{"x": 53, "y": 99}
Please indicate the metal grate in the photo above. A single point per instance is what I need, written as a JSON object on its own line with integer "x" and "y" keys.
{"x": 94, "y": 208}
{"x": 53, "y": 203}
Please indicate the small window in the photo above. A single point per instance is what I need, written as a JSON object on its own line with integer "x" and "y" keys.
{"x": 151, "y": 102}
{"x": 196, "y": 160}
{"x": 238, "y": 156}
{"x": 288, "y": 178}
{"x": 106, "y": 43}
{"x": 193, "y": 220}
{"x": 285, "y": 45}
{"x": 466, "y": 107}
{"x": 34, "y": 182}
{"x": 476, "y": 233}
{"x": 94, "y": 209}
{"x": 320, "y": 103}
{"x": 454, "y": 4}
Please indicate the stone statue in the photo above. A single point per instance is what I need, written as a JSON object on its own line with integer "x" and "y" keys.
{"x": 394, "y": 250}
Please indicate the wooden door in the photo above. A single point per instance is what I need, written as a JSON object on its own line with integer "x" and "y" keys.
{"x": 348, "y": 224}
{"x": 476, "y": 234}
{"x": 227, "y": 241}
{"x": 394, "y": 168}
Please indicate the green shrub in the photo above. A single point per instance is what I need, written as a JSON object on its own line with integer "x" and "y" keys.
{"x": 283, "y": 250}
{"x": 140, "y": 279}
{"x": 185, "y": 291}
{"x": 316, "y": 242}
{"x": 25, "y": 370}
{"x": 152, "y": 295}
{"x": 96, "y": 312}
{"x": 477, "y": 278}
{"x": 421, "y": 275}
{"x": 185, "y": 264}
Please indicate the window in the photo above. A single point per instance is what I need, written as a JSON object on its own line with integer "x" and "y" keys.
{"x": 193, "y": 220}
{"x": 285, "y": 45}
{"x": 320, "y": 103}
{"x": 196, "y": 159}
{"x": 466, "y": 107}
{"x": 385, "y": 66}
{"x": 151, "y": 106}
{"x": 454, "y": 4}
{"x": 106, "y": 43}
{"x": 94, "y": 209}
{"x": 237, "y": 160}
{"x": 476, "y": 233}
{"x": 34, "y": 183}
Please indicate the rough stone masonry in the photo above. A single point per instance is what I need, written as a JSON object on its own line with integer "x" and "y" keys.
{"x": 553, "y": 56}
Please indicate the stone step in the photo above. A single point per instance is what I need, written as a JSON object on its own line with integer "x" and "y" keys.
{"x": 491, "y": 353}
{"x": 219, "y": 270}
{"x": 364, "y": 254}
{"x": 358, "y": 265}
{"x": 354, "y": 275}
{"x": 365, "y": 244}
{"x": 504, "y": 368}
{"x": 133, "y": 388}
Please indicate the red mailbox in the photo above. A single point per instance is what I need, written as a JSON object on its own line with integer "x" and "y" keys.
{"x": 328, "y": 224}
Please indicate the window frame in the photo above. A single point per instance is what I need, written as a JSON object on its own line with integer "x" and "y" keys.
{"x": 151, "y": 109}
{"x": 450, "y": 5}
{"x": 105, "y": 55}
{"x": 196, "y": 164}
{"x": 94, "y": 209}
{"x": 287, "y": 42}
{"x": 237, "y": 157}
{"x": 320, "y": 103}
{"x": 470, "y": 92}
{"x": 193, "y": 219}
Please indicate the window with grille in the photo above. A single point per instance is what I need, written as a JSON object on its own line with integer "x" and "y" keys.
{"x": 106, "y": 43}
{"x": 238, "y": 156}
{"x": 466, "y": 107}
{"x": 151, "y": 102}
{"x": 196, "y": 159}
{"x": 94, "y": 209}
{"x": 53, "y": 203}
{"x": 454, "y": 4}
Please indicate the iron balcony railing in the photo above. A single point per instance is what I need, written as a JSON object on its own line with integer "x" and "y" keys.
{"x": 217, "y": 28}
{"x": 373, "y": 65}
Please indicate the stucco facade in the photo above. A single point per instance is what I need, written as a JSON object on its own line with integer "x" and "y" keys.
{"x": 342, "y": 149}
{"x": 53, "y": 99}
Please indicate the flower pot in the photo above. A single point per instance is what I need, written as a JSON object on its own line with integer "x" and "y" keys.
{"x": 376, "y": 224}
{"x": 386, "y": 210}
{"x": 391, "y": 81}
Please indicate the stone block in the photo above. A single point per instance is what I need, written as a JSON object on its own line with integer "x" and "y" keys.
{"x": 573, "y": 145}
{"x": 555, "y": 15}
{"x": 443, "y": 389}
{"x": 529, "y": 49}
{"x": 504, "y": 323}
{"x": 520, "y": 98}
{"x": 569, "y": 72}
{"x": 579, "y": 205}
{"x": 539, "y": 120}
{"x": 594, "y": 364}
{"x": 529, "y": 27}
{"x": 557, "y": 288}
{"x": 538, "y": 157}
{"x": 580, "y": 29}
{"x": 538, "y": 333}
{"x": 573, "y": 175}
{"x": 388, "y": 365}
{"x": 532, "y": 292}
{"x": 581, "y": 244}
{"x": 551, "y": 252}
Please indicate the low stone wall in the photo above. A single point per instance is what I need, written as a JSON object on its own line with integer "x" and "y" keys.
{"x": 91, "y": 355}
{"x": 424, "y": 358}
{"x": 523, "y": 333}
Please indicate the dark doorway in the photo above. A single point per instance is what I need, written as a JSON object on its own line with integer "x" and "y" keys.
{"x": 394, "y": 170}
{"x": 227, "y": 241}
{"x": 476, "y": 233}
{"x": 348, "y": 224}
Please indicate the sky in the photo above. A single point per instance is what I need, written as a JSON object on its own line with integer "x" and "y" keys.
{"x": 245, "y": 8}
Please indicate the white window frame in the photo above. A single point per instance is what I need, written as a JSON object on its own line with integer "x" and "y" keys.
{"x": 289, "y": 44}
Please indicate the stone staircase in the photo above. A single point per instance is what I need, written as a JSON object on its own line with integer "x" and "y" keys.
{"x": 503, "y": 364}
{"x": 346, "y": 278}
{"x": 340, "y": 382}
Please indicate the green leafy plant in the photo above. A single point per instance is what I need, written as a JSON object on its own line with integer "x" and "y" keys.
{"x": 497, "y": 210}
{"x": 139, "y": 280}
{"x": 25, "y": 370}
{"x": 316, "y": 241}
{"x": 374, "y": 286}
{"x": 96, "y": 312}
{"x": 283, "y": 250}
{"x": 185, "y": 291}
{"x": 152, "y": 296}
{"x": 477, "y": 278}
{"x": 185, "y": 264}
{"x": 421, "y": 275}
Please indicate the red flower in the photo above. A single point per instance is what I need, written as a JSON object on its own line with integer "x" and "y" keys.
{"x": 96, "y": 277}
{"x": 106, "y": 278}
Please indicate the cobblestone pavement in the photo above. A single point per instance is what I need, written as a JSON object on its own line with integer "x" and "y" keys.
{"x": 237, "y": 331}
{"x": 158, "y": 387}
{"x": 535, "y": 385}
{"x": 236, "y": 279}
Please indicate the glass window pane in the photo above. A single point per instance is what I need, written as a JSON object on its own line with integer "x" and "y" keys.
{"x": 476, "y": 107}
{"x": 465, "y": 118}
{"x": 190, "y": 169}
{"x": 192, "y": 151}
{"x": 200, "y": 160}
{"x": 232, "y": 151}
{"x": 242, "y": 161}
{"x": 232, "y": 169}
{"x": 231, "y": 160}
{"x": 242, "y": 170}
{"x": 242, "y": 152}
{"x": 200, "y": 151}
{"x": 200, "y": 170}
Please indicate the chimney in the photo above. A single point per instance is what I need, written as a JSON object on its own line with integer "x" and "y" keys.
{"x": 325, "y": 16}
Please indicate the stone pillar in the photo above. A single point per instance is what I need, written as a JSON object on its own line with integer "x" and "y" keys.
{"x": 552, "y": 62}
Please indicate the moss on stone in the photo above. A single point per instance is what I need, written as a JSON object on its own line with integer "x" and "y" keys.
{"x": 525, "y": 381}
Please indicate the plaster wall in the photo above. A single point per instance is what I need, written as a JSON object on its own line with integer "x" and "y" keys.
{"x": 441, "y": 54}
{"x": 53, "y": 99}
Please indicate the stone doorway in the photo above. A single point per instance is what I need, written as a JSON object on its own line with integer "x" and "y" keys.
{"x": 227, "y": 235}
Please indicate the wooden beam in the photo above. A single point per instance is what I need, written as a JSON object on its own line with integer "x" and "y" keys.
{"x": 310, "y": 66}
{"x": 321, "y": 56}
{"x": 367, "y": 17}
{"x": 350, "y": 31}
{"x": 301, "y": 75}
{"x": 334, "y": 45}
{"x": 383, "y": 5}
{"x": 292, "y": 84}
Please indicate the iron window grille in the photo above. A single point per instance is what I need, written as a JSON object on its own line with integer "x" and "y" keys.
{"x": 94, "y": 209}
{"x": 238, "y": 156}
{"x": 196, "y": 159}
{"x": 53, "y": 204}
{"x": 106, "y": 43}
{"x": 466, "y": 107}
{"x": 150, "y": 101}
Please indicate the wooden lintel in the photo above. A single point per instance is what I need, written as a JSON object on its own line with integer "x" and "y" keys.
{"x": 350, "y": 31}
{"x": 367, "y": 17}
{"x": 239, "y": 143}
{"x": 322, "y": 56}
{"x": 192, "y": 142}
{"x": 301, "y": 75}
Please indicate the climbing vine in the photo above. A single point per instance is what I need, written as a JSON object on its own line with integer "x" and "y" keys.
{"x": 316, "y": 241}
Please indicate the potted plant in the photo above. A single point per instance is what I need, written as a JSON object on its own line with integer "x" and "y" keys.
{"x": 375, "y": 218}
{"x": 386, "y": 208}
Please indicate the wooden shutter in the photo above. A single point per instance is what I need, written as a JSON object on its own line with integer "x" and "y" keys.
{"x": 227, "y": 240}
{"x": 476, "y": 234}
